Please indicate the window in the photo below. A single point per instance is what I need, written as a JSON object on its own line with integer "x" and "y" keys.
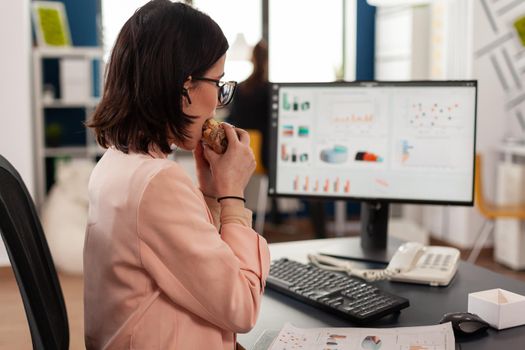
{"x": 114, "y": 15}
{"x": 241, "y": 22}
{"x": 305, "y": 40}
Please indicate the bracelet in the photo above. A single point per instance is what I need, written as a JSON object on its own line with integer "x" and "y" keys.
{"x": 231, "y": 197}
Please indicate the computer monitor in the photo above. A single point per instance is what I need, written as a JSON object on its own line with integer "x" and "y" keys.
{"x": 376, "y": 142}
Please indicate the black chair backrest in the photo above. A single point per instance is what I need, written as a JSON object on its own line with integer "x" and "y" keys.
{"x": 32, "y": 263}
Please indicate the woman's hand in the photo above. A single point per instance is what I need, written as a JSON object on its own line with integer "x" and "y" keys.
{"x": 204, "y": 176}
{"x": 231, "y": 171}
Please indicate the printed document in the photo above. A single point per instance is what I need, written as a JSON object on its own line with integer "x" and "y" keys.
{"x": 438, "y": 337}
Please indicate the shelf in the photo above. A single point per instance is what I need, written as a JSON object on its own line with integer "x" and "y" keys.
{"x": 65, "y": 104}
{"x": 48, "y": 106}
{"x": 60, "y": 52}
{"x": 74, "y": 151}
{"x": 516, "y": 149}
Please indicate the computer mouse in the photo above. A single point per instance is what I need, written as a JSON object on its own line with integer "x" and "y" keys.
{"x": 465, "y": 323}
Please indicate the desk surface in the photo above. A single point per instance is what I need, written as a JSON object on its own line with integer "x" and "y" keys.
{"x": 427, "y": 304}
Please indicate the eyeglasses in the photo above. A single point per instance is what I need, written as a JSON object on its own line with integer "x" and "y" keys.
{"x": 226, "y": 90}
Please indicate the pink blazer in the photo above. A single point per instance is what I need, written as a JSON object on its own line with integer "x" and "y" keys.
{"x": 157, "y": 272}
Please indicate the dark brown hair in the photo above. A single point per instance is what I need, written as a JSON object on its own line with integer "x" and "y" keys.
{"x": 259, "y": 75}
{"x": 157, "y": 49}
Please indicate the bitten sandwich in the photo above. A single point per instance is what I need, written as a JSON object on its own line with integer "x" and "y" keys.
{"x": 214, "y": 136}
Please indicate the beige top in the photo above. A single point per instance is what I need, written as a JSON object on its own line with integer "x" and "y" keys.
{"x": 158, "y": 274}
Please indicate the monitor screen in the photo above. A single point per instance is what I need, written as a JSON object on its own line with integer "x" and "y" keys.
{"x": 394, "y": 141}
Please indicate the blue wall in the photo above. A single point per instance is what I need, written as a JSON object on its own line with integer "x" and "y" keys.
{"x": 82, "y": 17}
{"x": 365, "y": 41}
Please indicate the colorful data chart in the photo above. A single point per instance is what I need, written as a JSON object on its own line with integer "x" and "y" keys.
{"x": 405, "y": 338}
{"x": 285, "y": 156}
{"x": 287, "y": 130}
{"x": 366, "y": 118}
{"x": 371, "y": 342}
{"x": 294, "y": 104}
{"x": 303, "y": 131}
{"x": 382, "y": 182}
{"x": 337, "y": 183}
{"x": 433, "y": 115}
{"x": 293, "y": 155}
{"x": 296, "y": 183}
{"x": 292, "y": 341}
{"x": 332, "y": 340}
{"x": 356, "y": 117}
{"x": 335, "y": 155}
{"x": 363, "y": 156}
{"x": 314, "y": 184}
{"x": 405, "y": 151}
{"x": 326, "y": 186}
{"x": 357, "y": 112}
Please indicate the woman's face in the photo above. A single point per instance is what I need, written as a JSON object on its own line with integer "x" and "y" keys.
{"x": 204, "y": 100}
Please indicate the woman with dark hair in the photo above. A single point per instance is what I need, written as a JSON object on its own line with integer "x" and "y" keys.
{"x": 251, "y": 108}
{"x": 167, "y": 264}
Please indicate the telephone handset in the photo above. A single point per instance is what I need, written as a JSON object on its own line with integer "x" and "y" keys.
{"x": 417, "y": 263}
{"x": 412, "y": 263}
{"x": 406, "y": 256}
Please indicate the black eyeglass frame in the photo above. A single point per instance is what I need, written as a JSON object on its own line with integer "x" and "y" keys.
{"x": 220, "y": 84}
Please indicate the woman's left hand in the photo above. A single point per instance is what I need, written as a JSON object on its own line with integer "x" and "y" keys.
{"x": 204, "y": 176}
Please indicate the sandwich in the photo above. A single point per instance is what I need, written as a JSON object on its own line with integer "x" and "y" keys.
{"x": 214, "y": 136}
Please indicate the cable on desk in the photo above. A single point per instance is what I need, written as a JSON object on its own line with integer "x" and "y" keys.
{"x": 334, "y": 264}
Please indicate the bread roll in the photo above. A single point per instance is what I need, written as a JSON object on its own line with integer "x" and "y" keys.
{"x": 214, "y": 136}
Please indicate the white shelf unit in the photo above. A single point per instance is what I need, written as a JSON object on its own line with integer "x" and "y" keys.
{"x": 90, "y": 149}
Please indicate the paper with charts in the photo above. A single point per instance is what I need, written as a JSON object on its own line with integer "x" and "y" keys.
{"x": 438, "y": 337}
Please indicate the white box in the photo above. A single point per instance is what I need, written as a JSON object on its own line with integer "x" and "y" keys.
{"x": 500, "y": 308}
{"x": 75, "y": 80}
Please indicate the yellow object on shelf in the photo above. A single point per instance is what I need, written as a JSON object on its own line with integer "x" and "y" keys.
{"x": 51, "y": 25}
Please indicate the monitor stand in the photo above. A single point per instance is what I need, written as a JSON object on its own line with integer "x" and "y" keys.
{"x": 374, "y": 226}
{"x": 373, "y": 245}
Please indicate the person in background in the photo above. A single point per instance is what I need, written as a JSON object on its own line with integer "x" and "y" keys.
{"x": 251, "y": 110}
{"x": 167, "y": 264}
{"x": 251, "y": 107}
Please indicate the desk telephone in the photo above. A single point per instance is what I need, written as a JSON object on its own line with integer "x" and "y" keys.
{"x": 412, "y": 263}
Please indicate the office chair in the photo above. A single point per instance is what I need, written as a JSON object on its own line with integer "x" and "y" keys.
{"x": 32, "y": 264}
{"x": 490, "y": 212}
{"x": 256, "y": 191}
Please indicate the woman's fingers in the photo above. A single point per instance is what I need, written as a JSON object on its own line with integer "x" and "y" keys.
{"x": 198, "y": 152}
{"x": 231, "y": 135}
{"x": 244, "y": 136}
{"x": 236, "y": 134}
{"x": 209, "y": 154}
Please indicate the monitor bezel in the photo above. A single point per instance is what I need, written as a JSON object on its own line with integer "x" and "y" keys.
{"x": 368, "y": 84}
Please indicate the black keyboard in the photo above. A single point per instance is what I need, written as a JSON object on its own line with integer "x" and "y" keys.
{"x": 338, "y": 293}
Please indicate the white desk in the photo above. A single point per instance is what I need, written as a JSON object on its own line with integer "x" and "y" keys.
{"x": 427, "y": 304}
